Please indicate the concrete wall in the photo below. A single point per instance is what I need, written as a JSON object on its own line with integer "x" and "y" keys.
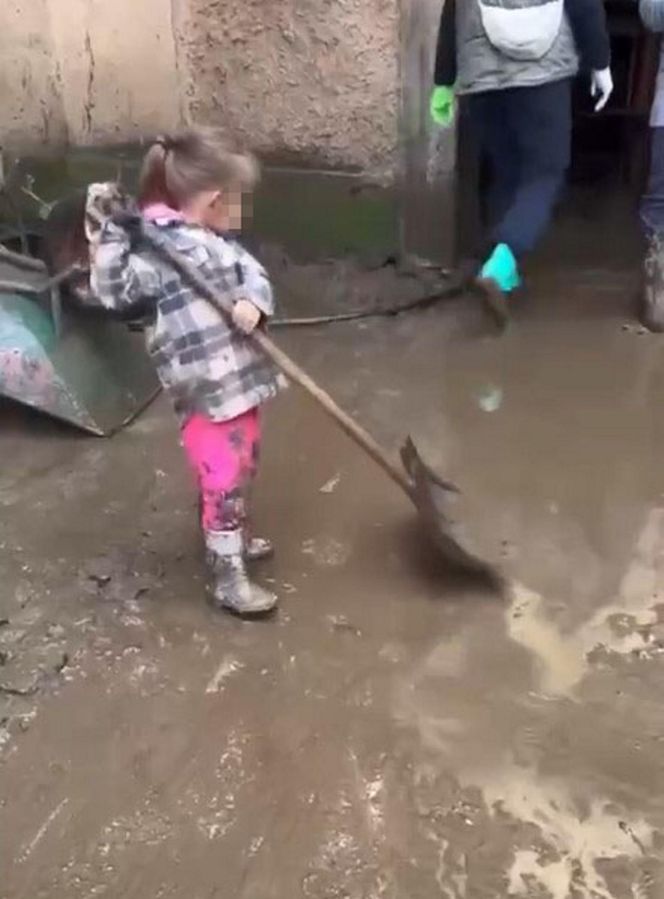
{"x": 118, "y": 67}
{"x": 30, "y": 90}
{"x": 86, "y": 71}
{"x": 312, "y": 80}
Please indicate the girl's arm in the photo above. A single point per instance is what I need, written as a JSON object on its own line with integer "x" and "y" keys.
{"x": 238, "y": 275}
{"x": 123, "y": 282}
{"x": 253, "y": 283}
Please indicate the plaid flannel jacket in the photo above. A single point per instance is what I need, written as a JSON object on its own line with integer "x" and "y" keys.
{"x": 205, "y": 364}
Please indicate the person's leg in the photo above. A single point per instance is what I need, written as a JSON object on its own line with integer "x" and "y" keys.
{"x": 541, "y": 119}
{"x": 255, "y": 548}
{"x": 652, "y": 218}
{"x": 498, "y": 149}
{"x": 498, "y": 143}
{"x": 223, "y": 455}
{"x": 214, "y": 450}
{"x": 247, "y": 443}
{"x": 539, "y": 122}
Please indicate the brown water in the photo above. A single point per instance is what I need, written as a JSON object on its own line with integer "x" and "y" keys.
{"x": 396, "y": 732}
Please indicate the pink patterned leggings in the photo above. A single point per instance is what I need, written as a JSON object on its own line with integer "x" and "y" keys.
{"x": 224, "y": 456}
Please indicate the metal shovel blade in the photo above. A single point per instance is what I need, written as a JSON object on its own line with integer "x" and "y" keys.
{"x": 439, "y": 505}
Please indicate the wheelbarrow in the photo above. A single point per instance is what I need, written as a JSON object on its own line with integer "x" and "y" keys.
{"x": 82, "y": 369}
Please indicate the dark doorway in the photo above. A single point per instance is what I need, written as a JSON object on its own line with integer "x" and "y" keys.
{"x": 609, "y": 156}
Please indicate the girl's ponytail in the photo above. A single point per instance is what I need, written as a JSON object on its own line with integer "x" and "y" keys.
{"x": 153, "y": 180}
{"x": 198, "y": 158}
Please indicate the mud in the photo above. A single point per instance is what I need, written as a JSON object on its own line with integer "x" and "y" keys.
{"x": 396, "y": 732}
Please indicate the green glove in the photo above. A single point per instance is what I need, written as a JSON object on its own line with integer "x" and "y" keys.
{"x": 442, "y": 106}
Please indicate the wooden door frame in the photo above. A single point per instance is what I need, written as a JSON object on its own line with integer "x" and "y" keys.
{"x": 429, "y": 189}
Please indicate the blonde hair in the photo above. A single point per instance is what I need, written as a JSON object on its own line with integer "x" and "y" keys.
{"x": 200, "y": 158}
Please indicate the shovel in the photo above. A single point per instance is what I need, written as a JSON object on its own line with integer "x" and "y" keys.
{"x": 436, "y": 500}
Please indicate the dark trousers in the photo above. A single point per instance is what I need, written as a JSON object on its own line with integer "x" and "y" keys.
{"x": 525, "y": 135}
{"x": 652, "y": 204}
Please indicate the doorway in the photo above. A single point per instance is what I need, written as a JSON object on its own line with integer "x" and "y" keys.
{"x": 610, "y": 150}
{"x": 610, "y": 155}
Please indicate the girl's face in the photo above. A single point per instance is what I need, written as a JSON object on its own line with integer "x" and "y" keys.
{"x": 220, "y": 211}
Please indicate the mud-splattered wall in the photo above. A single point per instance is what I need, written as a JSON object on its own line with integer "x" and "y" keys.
{"x": 85, "y": 71}
{"x": 31, "y": 108}
{"x": 117, "y": 67}
{"x": 317, "y": 80}
{"x": 310, "y": 80}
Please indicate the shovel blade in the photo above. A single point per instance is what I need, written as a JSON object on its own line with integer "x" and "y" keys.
{"x": 439, "y": 505}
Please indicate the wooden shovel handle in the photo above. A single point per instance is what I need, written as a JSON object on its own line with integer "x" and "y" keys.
{"x": 290, "y": 368}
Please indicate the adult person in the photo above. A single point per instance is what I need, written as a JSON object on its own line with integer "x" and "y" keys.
{"x": 652, "y": 204}
{"x": 512, "y": 62}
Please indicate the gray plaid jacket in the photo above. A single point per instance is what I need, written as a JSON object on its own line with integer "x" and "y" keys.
{"x": 205, "y": 364}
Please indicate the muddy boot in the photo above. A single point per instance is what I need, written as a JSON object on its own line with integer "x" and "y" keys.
{"x": 233, "y": 591}
{"x": 652, "y": 301}
{"x": 498, "y": 278}
{"x": 256, "y": 549}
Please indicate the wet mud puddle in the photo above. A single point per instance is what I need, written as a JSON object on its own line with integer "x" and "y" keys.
{"x": 547, "y": 710}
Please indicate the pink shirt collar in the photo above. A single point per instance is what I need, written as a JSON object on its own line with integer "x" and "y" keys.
{"x": 156, "y": 211}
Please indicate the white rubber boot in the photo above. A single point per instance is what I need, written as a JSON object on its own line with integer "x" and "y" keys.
{"x": 233, "y": 590}
{"x": 257, "y": 548}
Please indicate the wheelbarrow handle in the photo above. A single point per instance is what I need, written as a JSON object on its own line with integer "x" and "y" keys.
{"x": 20, "y": 260}
{"x": 287, "y": 365}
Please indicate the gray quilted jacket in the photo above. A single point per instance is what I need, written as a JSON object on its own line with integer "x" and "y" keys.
{"x": 467, "y": 57}
{"x": 482, "y": 67}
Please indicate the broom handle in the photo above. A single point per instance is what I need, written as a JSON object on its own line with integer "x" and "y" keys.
{"x": 290, "y": 368}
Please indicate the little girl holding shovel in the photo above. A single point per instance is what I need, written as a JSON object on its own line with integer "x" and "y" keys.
{"x": 192, "y": 190}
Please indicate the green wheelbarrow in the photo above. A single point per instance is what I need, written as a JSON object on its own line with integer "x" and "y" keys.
{"x": 77, "y": 367}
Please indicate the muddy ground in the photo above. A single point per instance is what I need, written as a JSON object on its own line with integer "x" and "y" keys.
{"x": 397, "y": 731}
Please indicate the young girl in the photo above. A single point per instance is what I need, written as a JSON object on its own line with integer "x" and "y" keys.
{"x": 192, "y": 188}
